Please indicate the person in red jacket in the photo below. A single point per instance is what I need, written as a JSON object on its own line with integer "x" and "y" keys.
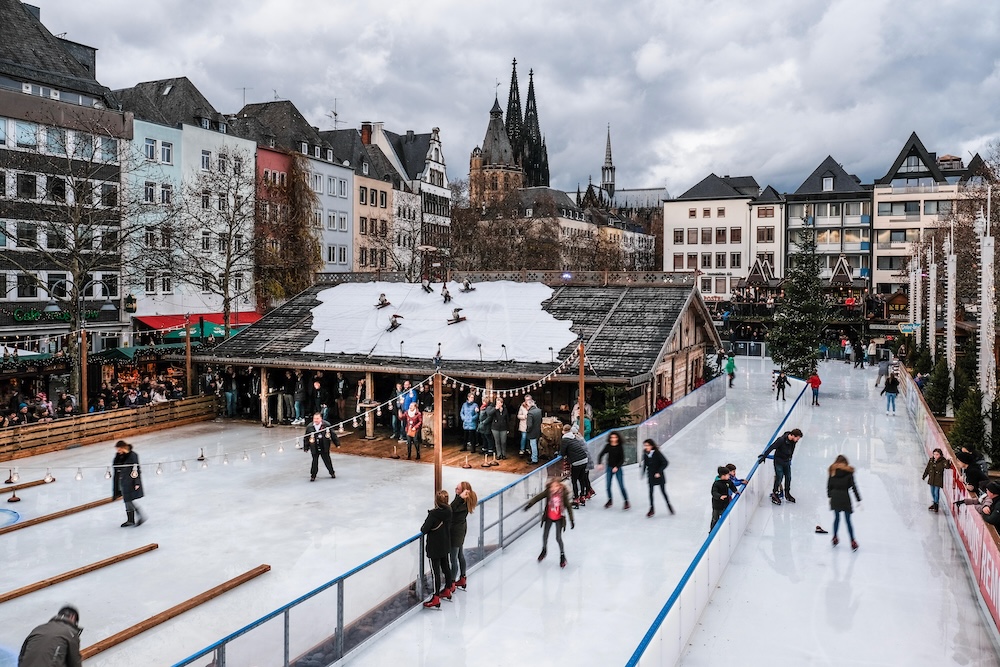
{"x": 815, "y": 382}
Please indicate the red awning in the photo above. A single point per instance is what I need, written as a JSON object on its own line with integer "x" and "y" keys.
{"x": 161, "y": 322}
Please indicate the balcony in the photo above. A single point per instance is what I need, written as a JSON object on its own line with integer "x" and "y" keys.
{"x": 907, "y": 189}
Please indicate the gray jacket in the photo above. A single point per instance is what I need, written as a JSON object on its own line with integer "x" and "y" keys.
{"x": 533, "y": 426}
{"x": 52, "y": 644}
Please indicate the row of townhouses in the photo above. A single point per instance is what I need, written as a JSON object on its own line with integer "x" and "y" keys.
{"x": 726, "y": 227}
{"x": 151, "y": 200}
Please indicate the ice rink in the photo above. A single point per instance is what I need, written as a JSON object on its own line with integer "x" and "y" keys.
{"x": 788, "y": 597}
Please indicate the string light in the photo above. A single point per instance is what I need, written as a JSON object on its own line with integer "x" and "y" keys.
{"x": 184, "y": 467}
{"x": 355, "y": 422}
{"x": 48, "y": 476}
{"x": 135, "y": 472}
{"x": 107, "y": 475}
{"x": 225, "y": 459}
{"x": 246, "y": 457}
{"x": 263, "y": 452}
{"x": 159, "y": 468}
{"x": 204, "y": 463}
{"x": 281, "y": 448}
{"x": 14, "y": 476}
{"x": 79, "y": 475}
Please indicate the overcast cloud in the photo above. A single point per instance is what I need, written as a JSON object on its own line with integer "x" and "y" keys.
{"x": 767, "y": 88}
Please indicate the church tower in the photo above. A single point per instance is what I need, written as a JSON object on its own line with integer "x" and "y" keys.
{"x": 608, "y": 170}
{"x": 535, "y": 158}
{"x": 515, "y": 121}
{"x": 493, "y": 169}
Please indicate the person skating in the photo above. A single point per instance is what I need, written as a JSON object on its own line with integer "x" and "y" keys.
{"x": 783, "y": 448}
{"x": 731, "y": 369}
{"x": 317, "y": 440}
{"x": 616, "y": 459}
{"x": 127, "y": 482}
{"x": 934, "y": 474}
{"x": 414, "y": 422}
{"x": 54, "y": 644}
{"x": 890, "y": 390}
{"x": 883, "y": 371}
{"x": 437, "y": 528}
{"x": 574, "y": 450}
{"x": 462, "y": 505}
{"x": 722, "y": 490}
{"x": 840, "y": 481}
{"x": 654, "y": 464}
{"x": 814, "y": 382}
{"x": 557, "y": 506}
{"x": 780, "y": 383}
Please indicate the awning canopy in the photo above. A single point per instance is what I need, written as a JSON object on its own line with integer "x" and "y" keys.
{"x": 197, "y": 331}
{"x": 129, "y": 353}
{"x": 177, "y": 321}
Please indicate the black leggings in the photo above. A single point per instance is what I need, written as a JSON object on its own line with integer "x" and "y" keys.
{"x": 440, "y": 568}
{"x": 545, "y": 534}
{"x": 663, "y": 490}
{"x": 581, "y": 480}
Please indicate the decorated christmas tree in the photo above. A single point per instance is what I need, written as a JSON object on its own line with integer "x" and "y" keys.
{"x": 798, "y": 323}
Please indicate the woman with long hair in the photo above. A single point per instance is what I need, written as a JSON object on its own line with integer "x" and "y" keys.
{"x": 557, "y": 504}
{"x": 499, "y": 428}
{"x": 654, "y": 464}
{"x": 437, "y": 528}
{"x": 414, "y": 422}
{"x": 934, "y": 474}
{"x": 462, "y": 505}
{"x": 840, "y": 481}
{"x": 127, "y": 482}
{"x": 616, "y": 459}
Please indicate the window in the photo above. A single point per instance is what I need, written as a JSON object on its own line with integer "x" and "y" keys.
{"x": 720, "y": 234}
{"x": 149, "y": 149}
{"x": 166, "y": 194}
{"x": 766, "y": 257}
{"x": 329, "y": 158}
{"x": 150, "y": 283}
{"x": 852, "y": 208}
{"x": 912, "y": 163}
{"x": 206, "y": 160}
{"x": 692, "y": 261}
{"x": 342, "y": 188}
{"x": 267, "y": 177}
{"x": 206, "y": 199}
{"x": 55, "y": 285}
{"x": 331, "y": 221}
{"x": 206, "y": 241}
{"x": 3, "y": 131}
{"x": 692, "y": 213}
{"x": 706, "y": 260}
{"x": 937, "y": 207}
{"x": 237, "y": 165}
{"x": 166, "y": 152}
{"x": 382, "y": 259}
{"x": 150, "y": 237}
{"x": 720, "y": 212}
{"x": 856, "y": 235}
{"x": 706, "y": 235}
{"x": 110, "y": 286}
{"x": 166, "y": 284}
{"x": 887, "y": 263}
{"x": 109, "y": 194}
{"x": 381, "y": 198}
{"x": 222, "y": 127}
{"x": 84, "y": 147}
{"x": 373, "y": 256}
{"x": 3, "y": 181}
{"x": 304, "y": 148}
{"x": 238, "y": 284}
{"x": 363, "y": 226}
{"x": 706, "y": 284}
{"x": 828, "y": 184}
{"x": 364, "y": 168}
{"x": 331, "y": 254}
{"x": 109, "y": 240}
{"x": 318, "y": 219}
{"x": 765, "y": 235}
{"x": 55, "y": 240}
{"x": 342, "y": 254}
{"x": 735, "y": 260}
{"x": 205, "y": 124}
{"x": 678, "y": 261}
{"x": 55, "y": 188}
{"x": 331, "y": 185}
{"x": 796, "y": 211}
{"x": 149, "y": 192}
{"x": 765, "y": 211}
{"x": 720, "y": 260}
{"x": 55, "y": 141}
{"x": 223, "y": 202}
{"x": 899, "y": 208}
{"x": 27, "y": 233}
{"x": 362, "y": 256}
{"x": 736, "y": 235}
{"x": 692, "y": 236}
{"x": 223, "y": 163}
{"x": 27, "y": 288}
{"x": 27, "y": 134}
{"x": 383, "y": 229}
{"x": 678, "y": 237}
{"x": 343, "y": 222}
{"x": 316, "y": 181}
{"x": 720, "y": 285}
{"x": 363, "y": 196}
{"x": 706, "y": 213}
{"x": 166, "y": 236}
{"x": 373, "y": 197}
{"x": 316, "y": 151}
{"x": 206, "y": 282}
{"x": 27, "y": 186}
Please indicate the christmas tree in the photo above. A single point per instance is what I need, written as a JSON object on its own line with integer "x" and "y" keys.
{"x": 801, "y": 317}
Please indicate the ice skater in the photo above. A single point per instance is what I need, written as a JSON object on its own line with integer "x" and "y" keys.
{"x": 814, "y": 382}
{"x": 722, "y": 494}
{"x": 783, "y": 448}
{"x": 890, "y": 390}
{"x": 934, "y": 474}
{"x": 731, "y": 369}
{"x": 557, "y": 505}
{"x": 840, "y": 481}
{"x": 55, "y": 643}
{"x": 462, "y": 505}
{"x": 437, "y": 528}
{"x": 883, "y": 371}
{"x": 654, "y": 464}
{"x": 127, "y": 482}
{"x": 317, "y": 440}
{"x": 616, "y": 459}
{"x": 573, "y": 450}
{"x": 780, "y": 383}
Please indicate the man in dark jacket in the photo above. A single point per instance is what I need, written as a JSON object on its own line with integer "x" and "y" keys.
{"x": 720, "y": 495}
{"x": 54, "y": 643}
{"x": 574, "y": 450}
{"x": 487, "y": 413}
{"x": 987, "y": 506}
{"x": 783, "y": 448}
{"x": 319, "y": 435}
{"x": 533, "y": 427}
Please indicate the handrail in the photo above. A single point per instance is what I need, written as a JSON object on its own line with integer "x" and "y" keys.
{"x": 689, "y": 572}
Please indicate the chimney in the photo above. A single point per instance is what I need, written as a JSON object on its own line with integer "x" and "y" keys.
{"x": 33, "y": 10}
{"x": 409, "y": 136}
{"x": 366, "y": 133}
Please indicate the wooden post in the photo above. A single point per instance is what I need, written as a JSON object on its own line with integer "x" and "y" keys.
{"x": 438, "y": 432}
{"x": 83, "y": 372}
{"x": 187, "y": 356}
{"x": 265, "y": 390}
{"x": 369, "y": 400}
{"x": 583, "y": 400}
{"x": 489, "y": 386}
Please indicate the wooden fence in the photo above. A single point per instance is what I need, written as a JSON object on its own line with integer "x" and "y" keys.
{"x": 20, "y": 441}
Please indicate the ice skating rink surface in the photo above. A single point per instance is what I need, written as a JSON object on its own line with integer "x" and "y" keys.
{"x": 788, "y": 597}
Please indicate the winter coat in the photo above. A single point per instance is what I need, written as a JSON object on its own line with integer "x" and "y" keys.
{"x": 486, "y": 415}
{"x": 883, "y": 367}
{"x": 52, "y": 644}
{"x": 470, "y": 415}
{"x": 320, "y": 399}
{"x": 522, "y": 418}
{"x": 615, "y": 453}
{"x": 891, "y": 386}
{"x": 782, "y": 447}
{"x": 837, "y": 487}
{"x": 500, "y": 420}
{"x": 533, "y": 424}
{"x": 301, "y": 391}
{"x": 653, "y": 463}
{"x": 459, "y": 521}
{"x": 324, "y": 436}
{"x": 414, "y": 422}
{"x": 573, "y": 450}
{"x": 975, "y": 473}
{"x": 814, "y": 381}
{"x": 781, "y": 382}
{"x": 437, "y": 528}
{"x": 934, "y": 471}
{"x": 720, "y": 494}
{"x": 409, "y": 396}
{"x": 567, "y": 506}
{"x": 122, "y": 484}
{"x": 731, "y": 365}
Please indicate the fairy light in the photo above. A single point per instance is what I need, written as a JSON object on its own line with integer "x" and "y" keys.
{"x": 159, "y": 468}
{"x": 225, "y": 459}
{"x": 246, "y": 457}
{"x": 14, "y": 476}
{"x": 48, "y": 476}
{"x": 79, "y": 475}
{"x": 184, "y": 467}
{"x": 135, "y": 472}
{"x": 281, "y": 448}
{"x": 263, "y": 452}
{"x": 107, "y": 475}
{"x": 204, "y": 464}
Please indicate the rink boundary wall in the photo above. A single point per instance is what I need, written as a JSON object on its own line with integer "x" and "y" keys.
{"x": 980, "y": 542}
{"x": 667, "y": 637}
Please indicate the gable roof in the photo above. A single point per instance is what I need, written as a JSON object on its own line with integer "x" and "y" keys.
{"x": 536, "y": 197}
{"x": 347, "y": 145}
{"x": 280, "y": 120}
{"x": 768, "y": 196}
{"x": 411, "y": 149}
{"x": 842, "y": 181}
{"x": 639, "y": 198}
{"x": 914, "y": 146}
{"x": 496, "y": 144}
{"x": 169, "y": 101}
{"x": 30, "y": 53}
{"x": 723, "y": 187}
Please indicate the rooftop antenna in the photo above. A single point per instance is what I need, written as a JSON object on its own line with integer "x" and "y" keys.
{"x": 244, "y": 89}
{"x": 276, "y": 98}
{"x": 334, "y": 115}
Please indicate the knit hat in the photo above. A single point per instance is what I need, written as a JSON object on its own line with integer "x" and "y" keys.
{"x": 22, "y": 406}
{"x": 994, "y": 488}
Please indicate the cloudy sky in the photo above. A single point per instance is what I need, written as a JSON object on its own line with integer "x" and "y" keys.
{"x": 767, "y": 88}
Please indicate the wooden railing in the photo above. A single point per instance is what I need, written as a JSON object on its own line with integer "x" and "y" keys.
{"x": 20, "y": 441}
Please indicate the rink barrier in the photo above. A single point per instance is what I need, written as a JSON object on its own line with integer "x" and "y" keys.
{"x": 55, "y": 515}
{"x": 20, "y": 441}
{"x": 665, "y": 641}
{"x": 979, "y": 541}
{"x": 66, "y": 576}
{"x": 342, "y": 616}
{"x": 176, "y": 610}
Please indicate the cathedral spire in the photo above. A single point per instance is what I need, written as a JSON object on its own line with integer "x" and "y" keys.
{"x": 515, "y": 118}
{"x": 608, "y": 170}
{"x": 534, "y": 152}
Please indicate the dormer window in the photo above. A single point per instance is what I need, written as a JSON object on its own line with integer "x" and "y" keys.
{"x": 204, "y": 124}
{"x": 828, "y": 184}
{"x": 364, "y": 168}
{"x": 304, "y": 148}
{"x": 329, "y": 155}
{"x": 222, "y": 128}
{"x": 316, "y": 152}
{"x": 527, "y": 212}
{"x": 270, "y": 142}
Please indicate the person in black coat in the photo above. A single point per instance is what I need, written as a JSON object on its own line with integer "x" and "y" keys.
{"x": 126, "y": 483}
{"x": 616, "y": 459}
{"x": 783, "y": 448}
{"x": 557, "y": 504}
{"x": 574, "y": 450}
{"x": 974, "y": 465}
{"x": 533, "y": 427}
{"x": 721, "y": 488}
{"x": 319, "y": 435}
{"x": 54, "y": 643}
{"x": 320, "y": 399}
{"x": 840, "y": 481}
{"x": 654, "y": 464}
{"x": 462, "y": 505}
{"x": 780, "y": 383}
{"x": 487, "y": 413}
{"x": 437, "y": 528}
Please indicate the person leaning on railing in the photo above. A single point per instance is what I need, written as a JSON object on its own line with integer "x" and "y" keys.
{"x": 987, "y": 506}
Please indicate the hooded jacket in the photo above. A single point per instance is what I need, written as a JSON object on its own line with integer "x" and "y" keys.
{"x": 54, "y": 643}
{"x": 934, "y": 471}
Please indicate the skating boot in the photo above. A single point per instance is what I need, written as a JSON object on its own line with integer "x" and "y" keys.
{"x": 854, "y": 545}
{"x": 789, "y": 497}
{"x": 433, "y": 603}
{"x": 541, "y": 556}
{"x": 131, "y": 519}
{"x": 627, "y": 506}
{"x": 775, "y": 499}
{"x": 608, "y": 504}
{"x": 562, "y": 560}
{"x": 461, "y": 583}
{"x": 445, "y": 594}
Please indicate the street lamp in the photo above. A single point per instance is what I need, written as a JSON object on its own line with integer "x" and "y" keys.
{"x": 107, "y": 307}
